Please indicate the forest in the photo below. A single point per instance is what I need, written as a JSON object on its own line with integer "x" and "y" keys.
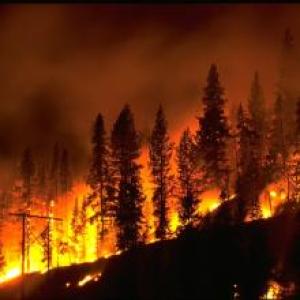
{"x": 235, "y": 167}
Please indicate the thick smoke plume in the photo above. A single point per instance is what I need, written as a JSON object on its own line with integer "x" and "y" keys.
{"x": 61, "y": 65}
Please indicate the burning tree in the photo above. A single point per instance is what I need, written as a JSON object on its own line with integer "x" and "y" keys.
{"x": 125, "y": 144}
{"x": 213, "y": 132}
{"x": 160, "y": 156}
{"x": 188, "y": 176}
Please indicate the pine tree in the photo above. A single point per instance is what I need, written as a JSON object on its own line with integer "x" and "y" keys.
{"x": 160, "y": 156}
{"x": 100, "y": 179}
{"x": 188, "y": 177}
{"x": 258, "y": 116}
{"x": 256, "y": 106}
{"x": 278, "y": 151}
{"x": 247, "y": 184}
{"x": 125, "y": 144}
{"x": 213, "y": 132}
{"x": 65, "y": 172}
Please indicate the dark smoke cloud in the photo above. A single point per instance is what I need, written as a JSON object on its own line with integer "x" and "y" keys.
{"x": 62, "y": 64}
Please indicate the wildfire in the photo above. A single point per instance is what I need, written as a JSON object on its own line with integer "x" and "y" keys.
{"x": 274, "y": 195}
{"x": 85, "y": 250}
{"x": 210, "y": 201}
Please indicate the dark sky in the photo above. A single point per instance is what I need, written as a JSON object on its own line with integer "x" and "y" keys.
{"x": 62, "y": 64}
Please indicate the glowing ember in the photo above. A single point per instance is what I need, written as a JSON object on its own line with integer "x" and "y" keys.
{"x": 89, "y": 278}
{"x": 86, "y": 279}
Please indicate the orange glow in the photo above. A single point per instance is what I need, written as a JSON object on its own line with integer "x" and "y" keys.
{"x": 84, "y": 249}
{"x": 273, "y": 195}
{"x": 273, "y": 291}
{"x": 10, "y": 274}
{"x": 210, "y": 201}
{"x": 88, "y": 278}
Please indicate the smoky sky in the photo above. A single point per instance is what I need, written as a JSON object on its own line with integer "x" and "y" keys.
{"x": 63, "y": 64}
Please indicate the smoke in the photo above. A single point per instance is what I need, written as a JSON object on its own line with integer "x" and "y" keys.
{"x": 62, "y": 64}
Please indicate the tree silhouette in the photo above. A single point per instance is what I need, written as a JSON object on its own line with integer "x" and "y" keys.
{"x": 188, "y": 176}
{"x": 278, "y": 151}
{"x": 258, "y": 116}
{"x": 213, "y": 130}
{"x": 160, "y": 155}
{"x": 247, "y": 184}
{"x": 125, "y": 150}
{"x": 100, "y": 179}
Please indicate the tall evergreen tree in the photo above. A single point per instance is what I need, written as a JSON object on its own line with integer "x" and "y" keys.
{"x": 213, "y": 132}
{"x": 256, "y": 106}
{"x": 278, "y": 151}
{"x": 125, "y": 144}
{"x": 248, "y": 179}
{"x": 258, "y": 117}
{"x": 100, "y": 179}
{"x": 188, "y": 177}
{"x": 160, "y": 156}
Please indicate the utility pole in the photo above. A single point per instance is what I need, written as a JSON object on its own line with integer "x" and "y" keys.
{"x": 24, "y": 216}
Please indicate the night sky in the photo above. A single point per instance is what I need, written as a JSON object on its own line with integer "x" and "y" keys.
{"x": 62, "y": 64}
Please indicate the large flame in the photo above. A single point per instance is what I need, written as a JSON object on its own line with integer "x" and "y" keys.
{"x": 273, "y": 195}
